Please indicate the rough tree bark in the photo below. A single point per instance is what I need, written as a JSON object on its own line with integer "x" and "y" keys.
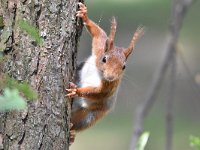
{"x": 47, "y": 67}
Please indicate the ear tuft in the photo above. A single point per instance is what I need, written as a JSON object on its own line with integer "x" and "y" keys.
{"x": 138, "y": 33}
{"x": 112, "y": 34}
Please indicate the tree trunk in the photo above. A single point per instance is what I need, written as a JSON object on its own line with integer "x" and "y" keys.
{"x": 48, "y": 67}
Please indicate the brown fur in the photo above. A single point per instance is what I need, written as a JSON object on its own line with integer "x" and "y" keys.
{"x": 100, "y": 98}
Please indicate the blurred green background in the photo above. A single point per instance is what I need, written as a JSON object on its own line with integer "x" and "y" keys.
{"x": 115, "y": 130}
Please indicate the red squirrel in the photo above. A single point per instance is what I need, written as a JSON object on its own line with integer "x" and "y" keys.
{"x": 99, "y": 77}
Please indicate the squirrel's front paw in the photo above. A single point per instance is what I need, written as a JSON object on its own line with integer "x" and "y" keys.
{"x": 72, "y": 91}
{"x": 82, "y": 12}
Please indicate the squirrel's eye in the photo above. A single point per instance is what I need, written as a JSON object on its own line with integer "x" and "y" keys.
{"x": 104, "y": 59}
{"x": 123, "y": 67}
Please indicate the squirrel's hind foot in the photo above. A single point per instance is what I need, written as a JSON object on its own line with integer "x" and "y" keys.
{"x": 72, "y": 135}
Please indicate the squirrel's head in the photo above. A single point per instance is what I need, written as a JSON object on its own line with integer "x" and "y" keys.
{"x": 113, "y": 61}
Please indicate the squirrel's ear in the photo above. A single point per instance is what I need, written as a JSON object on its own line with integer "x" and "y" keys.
{"x": 110, "y": 40}
{"x": 136, "y": 36}
{"x": 108, "y": 45}
{"x": 113, "y": 29}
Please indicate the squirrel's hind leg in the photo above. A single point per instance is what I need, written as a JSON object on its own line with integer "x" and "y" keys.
{"x": 72, "y": 135}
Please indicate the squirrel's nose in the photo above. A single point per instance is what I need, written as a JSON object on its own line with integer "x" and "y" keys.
{"x": 110, "y": 78}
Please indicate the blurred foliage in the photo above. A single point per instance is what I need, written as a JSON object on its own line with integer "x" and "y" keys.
{"x": 31, "y": 30}
{"x": 142, "y": 12}
{"x": 24, "y": 25}
{"x": 22, "y": 87}
{"x": 195, "y": 142}
{"x": 11, "y": 100}
{"x": 1, "y": 56}
{"x": 142, "y": 141}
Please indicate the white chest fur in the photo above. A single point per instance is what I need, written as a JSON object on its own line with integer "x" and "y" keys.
{"x": 89, "y": 75}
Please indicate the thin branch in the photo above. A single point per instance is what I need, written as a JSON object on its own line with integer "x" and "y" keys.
{"x": 143, "y": 110}
{"x": 169, "y": 104}
{"x": 179, "y": 11}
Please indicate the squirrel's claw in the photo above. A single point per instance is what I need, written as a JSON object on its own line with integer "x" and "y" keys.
{"x": 72, "y": 85}
{"x": 82, "y": 12}
{"x": 82, "y": 6}
{"x": 72, "y": 91}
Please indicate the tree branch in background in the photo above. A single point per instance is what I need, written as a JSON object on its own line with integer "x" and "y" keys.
{"x": 169, "y": 104}
{"x": 179, "y": 10}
